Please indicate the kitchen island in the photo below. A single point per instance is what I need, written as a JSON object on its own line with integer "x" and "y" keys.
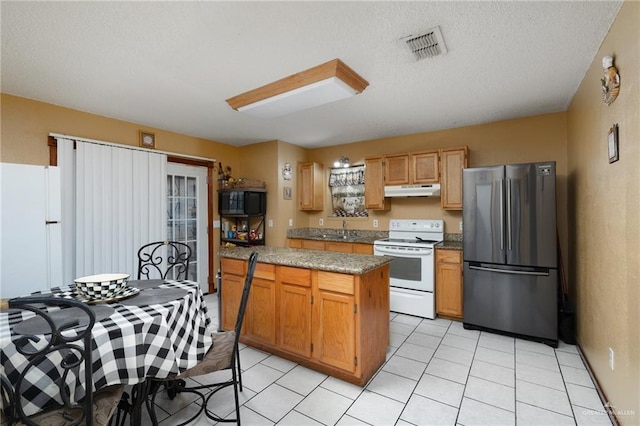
{"x": 327, "y": 311}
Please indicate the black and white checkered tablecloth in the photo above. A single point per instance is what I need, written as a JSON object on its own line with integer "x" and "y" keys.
{"x": 133, "y": 343}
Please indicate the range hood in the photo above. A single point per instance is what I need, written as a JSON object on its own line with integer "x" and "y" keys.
{"x": 426, "y": 190}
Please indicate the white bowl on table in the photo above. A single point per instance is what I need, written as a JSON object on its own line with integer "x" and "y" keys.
{"x": 101, "y": 286}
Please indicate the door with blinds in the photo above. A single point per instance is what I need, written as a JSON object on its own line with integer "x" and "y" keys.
{"x": 187, "y": 216}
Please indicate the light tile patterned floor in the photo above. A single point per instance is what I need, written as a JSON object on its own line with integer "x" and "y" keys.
{"x": 437, "y": 373}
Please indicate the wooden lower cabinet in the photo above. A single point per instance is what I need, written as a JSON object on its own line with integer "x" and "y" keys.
{"x": 334, "y": 323}
{"x": 335, "y": 335}
{"x": 449, "y": 290}
{"x": 231, "y": 291}
{"x": 260, "y": 315}
{"x": 337, "y": 246}
{"x": 294, "y": 312}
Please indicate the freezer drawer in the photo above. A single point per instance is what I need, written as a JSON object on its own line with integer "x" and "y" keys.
{"x": 513, "y": 301}
{"x": 412, "y": 302}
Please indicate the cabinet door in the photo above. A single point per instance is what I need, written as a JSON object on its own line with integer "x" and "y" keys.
{"x": 449, "y": 283}
{"x": 310, "y": 186}
{"x": 334, "y": 326}
{"x": 295, "y": 310}
{"x": 360, "y": 248}
{"x": 425, "y": 167}
{"x": 374, "y": 184}
{"x": 295, "y": 243}
{"x": 396, "y": 169}
{"x": 231, "y": 293}
{"x": 339, "y": 247}
{"x": 452, "y": 162}
{"x": 295, "y": 319}
{"x": 313, "y": 245}
{"x": 261, "y": 311}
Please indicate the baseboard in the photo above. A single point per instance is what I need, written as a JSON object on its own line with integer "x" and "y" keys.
{"x": 594, "y": 379}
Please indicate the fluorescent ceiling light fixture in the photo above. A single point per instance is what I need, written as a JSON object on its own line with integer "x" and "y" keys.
{"x": 319, "y": 85}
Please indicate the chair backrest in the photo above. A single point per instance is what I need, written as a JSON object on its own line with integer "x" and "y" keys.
{"x": 251, "y": 267}
{"x": 164, "y": 259}
{"x": 59, "y": 356}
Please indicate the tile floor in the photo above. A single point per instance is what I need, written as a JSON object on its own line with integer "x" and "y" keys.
{"x": 437, "y": 373}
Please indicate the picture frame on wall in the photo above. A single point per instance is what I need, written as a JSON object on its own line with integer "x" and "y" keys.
{"x": 147, "y": 140}
{"x": 286, "y": 193}
{"x": 612, "y": 143}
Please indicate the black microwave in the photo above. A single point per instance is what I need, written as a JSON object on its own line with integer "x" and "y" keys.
{"x": 232, "y": 201}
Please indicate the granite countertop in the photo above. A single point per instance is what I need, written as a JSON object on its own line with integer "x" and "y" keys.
{"x": 329, "y": 234}
{"x": 345, "y": 263}
{"x": 449, "y": 245}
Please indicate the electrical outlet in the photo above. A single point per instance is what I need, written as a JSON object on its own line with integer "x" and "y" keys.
{"x": 321, "y": 221}
{"x": 270, "y": 223}
{"x": 461, "y": 225}
{"x": 611, "y": 358}
{"x": 375, "y": 223}
{"x": 290, "y": 222}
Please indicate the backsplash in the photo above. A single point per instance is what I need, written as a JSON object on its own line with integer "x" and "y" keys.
{"x": 303, "y": 232}
{"x": 453, "y": 237}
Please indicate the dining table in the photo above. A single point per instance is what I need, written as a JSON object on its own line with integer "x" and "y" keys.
{"x": 154, "y": 329}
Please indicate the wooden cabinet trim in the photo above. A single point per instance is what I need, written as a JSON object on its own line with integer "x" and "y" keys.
{"x": 297, "y": 276}
{"x": 336, "y": 282}
{"x": 234, "y": 266}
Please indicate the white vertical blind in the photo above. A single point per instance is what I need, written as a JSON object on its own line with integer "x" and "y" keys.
{"x": 67, "y": 165}
{"x": 120, "y": 205}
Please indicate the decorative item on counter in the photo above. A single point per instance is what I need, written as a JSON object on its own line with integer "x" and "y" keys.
{"x": 610, "y": 81}
{"x": 246, "y": 183}
{"x": 224, "y": 176}
{"x": 253, "y": 234}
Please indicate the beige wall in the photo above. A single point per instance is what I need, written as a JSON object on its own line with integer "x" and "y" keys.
{"x": 26, "y": 125}
{"x": 605, "y": 218}
{"x": 539, "y": 138}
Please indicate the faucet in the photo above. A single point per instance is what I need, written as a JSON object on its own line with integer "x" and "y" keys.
{"x": 344, "y": 227}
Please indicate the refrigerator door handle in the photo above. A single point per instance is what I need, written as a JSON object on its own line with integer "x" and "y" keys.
{"x": 509, "y": 213}
{"x": 508, "y": 271}
{"x": 501, "y": 214}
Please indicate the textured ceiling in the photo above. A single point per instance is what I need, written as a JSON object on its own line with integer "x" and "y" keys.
{"x": 171, "y": 65}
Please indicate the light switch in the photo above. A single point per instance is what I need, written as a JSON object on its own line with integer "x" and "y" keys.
{"x": 321, "y": 221}
{"x": 270, "y": 223}
{"x": 290, "y": 222}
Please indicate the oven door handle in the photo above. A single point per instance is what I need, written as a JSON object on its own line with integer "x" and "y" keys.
{"x": 399, "y": 253}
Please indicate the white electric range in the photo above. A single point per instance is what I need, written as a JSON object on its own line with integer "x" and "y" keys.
{"x": 411, "y": 244}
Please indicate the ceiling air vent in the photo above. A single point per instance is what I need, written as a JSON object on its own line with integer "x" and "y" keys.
{"x": 426, "y": 45}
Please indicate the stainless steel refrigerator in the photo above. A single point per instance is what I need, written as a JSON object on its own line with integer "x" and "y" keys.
{"x": 510, "y": 250}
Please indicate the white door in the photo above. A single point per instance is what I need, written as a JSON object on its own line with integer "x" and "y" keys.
{"x": 187, "y": 216}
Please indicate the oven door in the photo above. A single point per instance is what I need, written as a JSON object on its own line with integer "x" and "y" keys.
{"x": 411, "y": 268}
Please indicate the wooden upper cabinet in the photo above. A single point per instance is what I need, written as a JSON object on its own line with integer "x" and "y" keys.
{"x": 310, "y": 186}
{"x": 424, "y": 166}
{"x": 452, "y": 161}
{"x": 374, "y": 184}
{"x": 396, "y": 171}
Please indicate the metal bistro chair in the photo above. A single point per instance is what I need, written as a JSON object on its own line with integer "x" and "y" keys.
{"x": 57, "y": 356}
{"x": 164, "y": 259}
{"x": 223, "y": 355}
